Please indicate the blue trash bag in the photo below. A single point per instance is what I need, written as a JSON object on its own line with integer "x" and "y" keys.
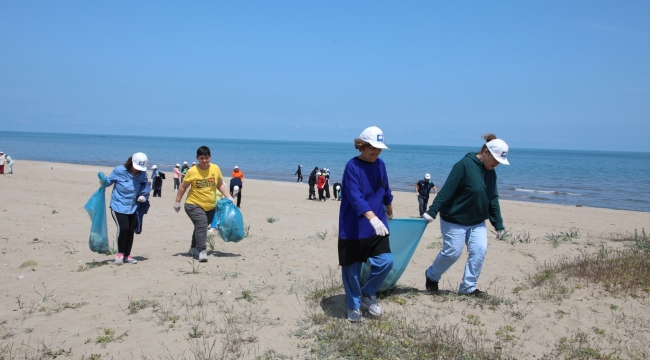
{"x": 215, "y": 219}
{"x": 231, "y": 221}
{"x": 96, "y": 208}
{"x": 405, "y": 235}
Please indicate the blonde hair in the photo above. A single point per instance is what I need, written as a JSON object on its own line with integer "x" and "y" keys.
{"x": 360, "y": 144}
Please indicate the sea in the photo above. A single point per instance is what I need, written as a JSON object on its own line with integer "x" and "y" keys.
{"x": 605, "y": 179}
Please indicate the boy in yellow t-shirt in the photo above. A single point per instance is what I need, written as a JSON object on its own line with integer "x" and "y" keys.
{"x": 200, "y": 205}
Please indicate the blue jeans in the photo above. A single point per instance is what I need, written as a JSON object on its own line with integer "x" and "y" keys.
{"x": 380, "y": 266}
{"x": 454, "y": 237}
{"x": 422, "y": 202}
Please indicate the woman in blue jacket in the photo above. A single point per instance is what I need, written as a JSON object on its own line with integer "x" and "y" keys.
{"x": 130, "y": 188}
{"x": 365, "y": 207}
{"x": 468, "y": 197}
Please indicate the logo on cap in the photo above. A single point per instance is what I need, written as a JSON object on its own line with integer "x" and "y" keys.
{"x": 504, "y": 154}
{"x": 141, "y": 163}
{"x": 380, "y": 138}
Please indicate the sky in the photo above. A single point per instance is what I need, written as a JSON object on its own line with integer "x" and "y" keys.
{"x": 538, "y": 74}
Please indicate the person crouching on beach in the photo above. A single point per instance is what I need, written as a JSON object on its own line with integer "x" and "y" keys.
{"x": 321, "y": 185}
{"x": 363, "y": 235}
{"x": 203, "y": 181}
{"x": 468, "y": 197}
{"x": 130, "y": 188}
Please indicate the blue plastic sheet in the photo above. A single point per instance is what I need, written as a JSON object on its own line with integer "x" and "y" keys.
{"x": 96, "y": 208}
{"x": 231, "y": 221}
{"x": 405, "y": 235}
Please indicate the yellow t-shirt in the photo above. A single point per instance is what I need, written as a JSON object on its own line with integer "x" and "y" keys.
{"x": 203, "y": 190}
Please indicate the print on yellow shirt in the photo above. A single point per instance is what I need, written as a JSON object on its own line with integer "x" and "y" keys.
{"x": 203, "y": 186}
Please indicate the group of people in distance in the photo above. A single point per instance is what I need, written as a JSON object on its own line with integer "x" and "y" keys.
{"x": 467, "y": 199}
{"x": 320, "y": 179}
{"x": 5, "y": 159}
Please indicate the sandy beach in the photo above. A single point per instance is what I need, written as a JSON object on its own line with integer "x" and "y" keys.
{"x": 249, "y": 299}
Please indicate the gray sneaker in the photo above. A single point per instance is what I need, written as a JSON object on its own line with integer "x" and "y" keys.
{"x": 354, "y": 315}
{"x": 203, "y": 256}
{"x": 370, "y": 303}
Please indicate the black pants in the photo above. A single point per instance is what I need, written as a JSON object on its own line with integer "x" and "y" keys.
{"x": 126, "y": 224}
{"x": 177, "y": 183}
{"x": 320, "y": 195}
{"x": 238, "y": 198}
{"x": 299, "y": 178}
{"x": 312, "y": 192}
{"x": 156, "y": 192}
{"x": 327, "y": 189}
{"x": 336, "y": 190}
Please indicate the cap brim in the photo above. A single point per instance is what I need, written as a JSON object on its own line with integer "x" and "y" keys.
{"x": 378, "y": 145}
{"x": 139, "y": 168}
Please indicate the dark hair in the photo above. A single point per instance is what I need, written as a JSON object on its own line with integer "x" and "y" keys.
{"x": 203, "y": 150}
{"x": 129, "y": 164}
{"x": 360, "y": 144}
{"x": 487, "y": 137}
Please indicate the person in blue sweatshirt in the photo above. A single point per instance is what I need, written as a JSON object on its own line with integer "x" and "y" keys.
{"x": 467, "y": 199}
{"x": 363, "y": 235}
{"x": 131, "y": 187}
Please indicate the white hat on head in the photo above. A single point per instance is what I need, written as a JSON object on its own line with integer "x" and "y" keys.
{"x": 139, "y": 161}
{"x": 1, "y": 152}
{"x": 153, "y": 167}
{"x": 193, "y": 162}
{"x": 374, "y": 136}
{"x": 184, "y": 162}
{"x": 236, "y": 167}
{"x": 427, "y": 176}
{"x": 499, "y": 149}
{"x": 178, "y": 165}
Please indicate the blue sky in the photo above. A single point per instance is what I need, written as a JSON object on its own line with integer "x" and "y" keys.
{"x": 545, "y": 74}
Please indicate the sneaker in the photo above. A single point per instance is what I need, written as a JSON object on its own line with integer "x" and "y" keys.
{"x": 203, "y": 256}
{"x": 119, "y": 259}
{"x": 354, "y": 315}
{"x": 431, "y": 286}
{"x": 370, "y": 303}
{"x": 476, "y": 292}
{"x": 130, "y": 260}
{"x": 192, "y": 251}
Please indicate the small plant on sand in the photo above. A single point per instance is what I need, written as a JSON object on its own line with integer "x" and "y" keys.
{"x": 45, "y": 295}
{"x": 247, "y": 230}
{"x": 112, "y": 250}
{"x": 271, "y": 219}
{"x": 71, "y": 251}
{"x": 105, "y": 338}
{"x": 54, "y": 212}
{"x": 247, "y": 295}
{"x": 195, "y": 267}
{"x": 195, "y": 333}
{"x": 321, "y": 234}
{"x": 139, "y": 304}
{"x": 91, "y": 265}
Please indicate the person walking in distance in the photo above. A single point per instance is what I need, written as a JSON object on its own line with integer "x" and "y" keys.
{"x": 468, "y": 197}
{"x": 299, "y": 173}
{"x": 177, "y": 176}
{"x": 422, "y": 190}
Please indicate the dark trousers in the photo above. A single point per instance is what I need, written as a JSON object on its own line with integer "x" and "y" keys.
{"x": 422, "y": 201}
{"x": 126, "y": 224}
{"x": 299, "y": 178}
{"x": 320, "y": 194}
{"x": 327, "y": 189}
{"x": 201, "y": 220}
{"x": 156, "y": 192}
{"x": 177, "y": 183}
{"x": 238, "y": 198}
{"x": 312, "y": 192}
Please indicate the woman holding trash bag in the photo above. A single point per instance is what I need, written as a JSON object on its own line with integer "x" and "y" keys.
{"x": 203, "y": 181}
{"x": 468, "y": 197}
{"x": 130, "y": 188}
{"x": 365, "y": 207}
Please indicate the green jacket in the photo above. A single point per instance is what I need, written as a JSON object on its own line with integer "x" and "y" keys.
{"x": 469, "y": 195}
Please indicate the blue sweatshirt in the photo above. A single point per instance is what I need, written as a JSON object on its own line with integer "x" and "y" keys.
{"x": 364, "y": 188}
{"x": 127, "y": 189}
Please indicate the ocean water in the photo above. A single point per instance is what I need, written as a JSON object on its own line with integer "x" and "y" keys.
{"x": 615, "y": 180}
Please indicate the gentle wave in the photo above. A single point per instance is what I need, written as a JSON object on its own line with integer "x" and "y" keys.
{"x": 548, "y": 192}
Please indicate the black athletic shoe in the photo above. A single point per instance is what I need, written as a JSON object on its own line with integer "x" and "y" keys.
{"x": 431, "y": 286}
{"x": 477, "y": 293}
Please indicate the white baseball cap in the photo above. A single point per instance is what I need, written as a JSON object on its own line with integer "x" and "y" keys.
{"x": 139, "y": 161}
{"x": 236, "y": 167}
{"x": 154, "y": 167}
{"x": 427, "y": 176}
{"x": 178, "y": 165}
{"x": 184, "y": 162}
{"x": 499, "y": 149}
{"x": 373, "y": 136}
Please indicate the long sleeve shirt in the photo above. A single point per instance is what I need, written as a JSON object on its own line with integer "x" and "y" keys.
{"x": 127, "y": 189}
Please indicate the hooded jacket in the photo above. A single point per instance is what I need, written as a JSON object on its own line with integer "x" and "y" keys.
{"x": 469, "y": 195}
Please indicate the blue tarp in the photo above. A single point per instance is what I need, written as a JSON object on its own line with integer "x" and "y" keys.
{"x": 231, "y": 221}
{"x": 96, "y": 208}
{"x": 405, "y": 235}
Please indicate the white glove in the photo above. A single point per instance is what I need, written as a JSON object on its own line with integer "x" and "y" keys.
{"x": 380, "y": 228}
{"x": 231, "y": 199}
{"x": 500, "y": 234}
{"x": 141, "y": 198}
{"x": 389, "y": 217}
{"x": 177, "y": 206}
{"x": 427, "y": 217}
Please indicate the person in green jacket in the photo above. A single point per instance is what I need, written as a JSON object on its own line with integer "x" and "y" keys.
{"x": 468, "y": 197}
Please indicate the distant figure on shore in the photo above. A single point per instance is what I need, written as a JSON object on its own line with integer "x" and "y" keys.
{"x": 299, "y": 173}
{"x": 321, "y": 186}
{"x": 236, "y": 184}
{"x": 184, "y": 170}
{"x": 177, "y": 176}
{"x": 363, "y": 235}
{"x": 337, "y": 191}
{"x": 200, "y": 205}
{"x": 312, "y": 183}
{"x": 237, "y": 173}
{"x": 327, "y": 183}
{"x": 157, "y": 178}
{"x": 468, "y": 197}
{"x": 131, "y": 187}
{"x": 3, "y": 158}
{"x": 422, "y": 190}
{"x": 10, "y": 163}
{"x": 193, "y": 163}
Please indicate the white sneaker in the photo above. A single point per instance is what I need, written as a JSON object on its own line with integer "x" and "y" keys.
{"x": 119, "y": 259}
{"x": 203, "y": 257}
{"x": 370, "y": 303}
{"x": 354, "y": 315}
{"x": 130, "y": 260}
